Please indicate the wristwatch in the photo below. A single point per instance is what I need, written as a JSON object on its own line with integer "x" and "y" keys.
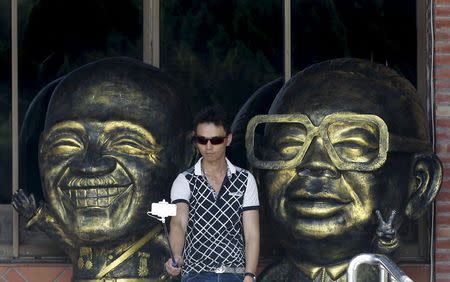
{"x": 252, "y": 275}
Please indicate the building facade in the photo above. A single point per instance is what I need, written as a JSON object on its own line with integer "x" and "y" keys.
{"x": 157, "y": 37}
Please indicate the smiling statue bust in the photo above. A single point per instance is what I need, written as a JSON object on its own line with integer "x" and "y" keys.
{"x": 110, "y": 148}
{"x": 344, "y": 154}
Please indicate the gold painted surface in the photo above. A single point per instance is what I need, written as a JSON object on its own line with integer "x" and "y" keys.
{"x": 110, "y": 147}
{"x": 353, "y": 141}
{"x": 96, "y": 198}
{"x": 132, "y": 250}
{"x": 143, "y": 263}
{"x": 343, "y": 140}
{"x": 334, "y": 272}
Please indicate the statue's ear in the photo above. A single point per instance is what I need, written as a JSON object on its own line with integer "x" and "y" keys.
{"x": 191, "y": 152}
{"x": 427, "y": 170}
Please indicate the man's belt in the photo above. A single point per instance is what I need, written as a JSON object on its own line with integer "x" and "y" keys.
{"x": 229, "y": 269}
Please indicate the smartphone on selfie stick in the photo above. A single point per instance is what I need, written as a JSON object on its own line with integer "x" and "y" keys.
{"x": 160, "y": 211}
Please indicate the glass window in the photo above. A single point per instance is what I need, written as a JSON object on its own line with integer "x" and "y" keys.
{"x": 56, "y": 37}
{"x": 382, "y": 31}
{"x": 221, "y": 51}
{"x": 5, "y": 102}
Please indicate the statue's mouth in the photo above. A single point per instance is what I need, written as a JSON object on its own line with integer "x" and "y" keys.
{"x": 85, "y": 197}
{"x": 100, "y": 191}
{"x": 319, "y": 205}
{"x": 315, "y": 207}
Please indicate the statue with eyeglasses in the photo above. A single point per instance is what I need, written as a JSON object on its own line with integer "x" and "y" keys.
{"x": 109, "y": 148}
{"x": 343, "y": 155}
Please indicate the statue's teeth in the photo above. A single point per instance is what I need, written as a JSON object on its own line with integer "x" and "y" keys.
{"x": 102, "y": 192}
{"x": 97, "y": 197}
{"x": 104, "y": 202}
{"x": 81, "y": 193}
{"x": 91, "y": 202}
{"x": 81, "y": 202}
{"x": 112, "y": 191}
{"x": 92, "y": 193}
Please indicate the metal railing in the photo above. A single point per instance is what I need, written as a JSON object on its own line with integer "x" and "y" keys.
{"x": 389, "y": 271}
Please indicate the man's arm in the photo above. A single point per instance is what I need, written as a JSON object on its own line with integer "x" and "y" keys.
{"x": 177, "y": 236}
{"x": 250, "y": 219}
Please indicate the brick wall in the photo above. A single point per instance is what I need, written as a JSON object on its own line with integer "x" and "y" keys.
{"x": 442, "y": 107}
{"x": 36, "y": 272}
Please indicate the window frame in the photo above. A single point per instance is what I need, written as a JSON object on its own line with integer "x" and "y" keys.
{"x": 151, "y": 55}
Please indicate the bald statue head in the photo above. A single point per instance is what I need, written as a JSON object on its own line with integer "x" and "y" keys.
{"x": 343, "y": 139}
{"x": 111, "y": 146}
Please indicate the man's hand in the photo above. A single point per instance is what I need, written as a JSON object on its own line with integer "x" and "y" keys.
{"x": 25, "y": 205}
{"x": 248, "y": 279}
{"x": 174, "y": 271}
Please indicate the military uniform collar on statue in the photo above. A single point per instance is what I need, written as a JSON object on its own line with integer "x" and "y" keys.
{"x": 332, "y": 271}
{"x": 87, "y": 257}
{"x": 130, "y": 251}
{"x": 288, "y": 270}
{"x": 134, "y": 251}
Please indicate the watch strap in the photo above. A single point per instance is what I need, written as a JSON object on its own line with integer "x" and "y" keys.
{"x": 252, "y": 275}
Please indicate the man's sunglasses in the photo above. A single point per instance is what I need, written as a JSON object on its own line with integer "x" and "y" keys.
{"x": 216, "y": 140}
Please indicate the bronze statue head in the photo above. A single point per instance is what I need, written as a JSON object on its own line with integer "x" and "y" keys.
{"x": 343, "y": 139}
{"x": 110, "y": 147}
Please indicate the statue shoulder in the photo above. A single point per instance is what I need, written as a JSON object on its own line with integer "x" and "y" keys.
{"x": 279, "y": 271}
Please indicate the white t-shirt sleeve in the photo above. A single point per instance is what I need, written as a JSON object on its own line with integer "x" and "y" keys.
{"x": 251, "y": 193}
{"x": 180, "y": 191}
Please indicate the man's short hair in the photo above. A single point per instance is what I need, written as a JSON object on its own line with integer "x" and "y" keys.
{"x": 213, "y": 114}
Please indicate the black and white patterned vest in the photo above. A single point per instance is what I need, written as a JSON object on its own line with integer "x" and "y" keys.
{"x": 215, "y": 235}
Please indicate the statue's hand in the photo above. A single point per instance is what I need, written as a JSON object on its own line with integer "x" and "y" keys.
{"x": 385, "y": 229}
{"x": 25, "y": 205}
{"x": 387, "y": 241}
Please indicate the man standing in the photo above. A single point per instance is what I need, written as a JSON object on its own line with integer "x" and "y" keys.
{"x": 217, "y": 207}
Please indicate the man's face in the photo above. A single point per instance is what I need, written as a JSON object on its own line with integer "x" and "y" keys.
{"x": 212, "y": 152}
{"x": 324, "y": 195}
{"x": 101, "y": 171}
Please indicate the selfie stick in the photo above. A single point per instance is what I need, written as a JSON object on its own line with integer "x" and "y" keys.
{"x": 160, "y": 211}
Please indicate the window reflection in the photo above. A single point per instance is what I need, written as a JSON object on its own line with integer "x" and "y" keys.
{"x": 56, "y": 37}
{"x": 221, "y": 51}
{"x": 5, "y": 102}
{"x": 66, "y": 35}
{"x": 382, "y": 31}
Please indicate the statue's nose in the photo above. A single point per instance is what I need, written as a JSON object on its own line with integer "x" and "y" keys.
{"x": 93, "y": 163}
{"x": 317, "y": 162}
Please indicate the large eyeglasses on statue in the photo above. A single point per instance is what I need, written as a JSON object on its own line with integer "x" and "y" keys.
{"x": 353, "y": 141}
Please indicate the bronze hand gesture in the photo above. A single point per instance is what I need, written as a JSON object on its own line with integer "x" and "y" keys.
{"x": 387, "y": 240}
{"x": 25, "y": 205}
{"x": 385, "y": 228}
